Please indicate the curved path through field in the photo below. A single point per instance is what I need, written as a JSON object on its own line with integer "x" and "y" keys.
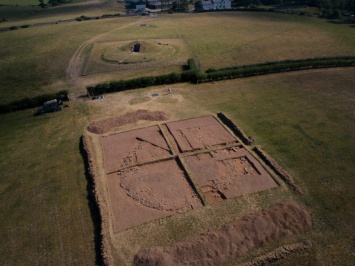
{"x": 76, "y": 64}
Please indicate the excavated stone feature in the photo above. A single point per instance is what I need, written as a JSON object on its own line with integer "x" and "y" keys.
{"x": 228, "y": 173}
{"x": 199, "y": 133}
{"x": 132, "y": 147}
{"x": 144, "y": 193}
{"x": 231, "y": 241}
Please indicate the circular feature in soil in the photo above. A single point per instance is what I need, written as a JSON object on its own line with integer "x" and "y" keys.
{"x": 161, "y": 187}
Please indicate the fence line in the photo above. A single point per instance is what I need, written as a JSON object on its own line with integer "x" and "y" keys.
{"x": 197, "y": 60}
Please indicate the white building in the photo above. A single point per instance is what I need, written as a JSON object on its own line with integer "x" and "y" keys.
{"x": 137, "y": 4}
{"x": 216, "y": 4}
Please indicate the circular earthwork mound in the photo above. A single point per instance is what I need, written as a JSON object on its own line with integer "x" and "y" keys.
{"x": 148, "y": 51}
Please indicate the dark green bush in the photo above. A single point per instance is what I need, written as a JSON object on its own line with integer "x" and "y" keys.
{"x": 194, "y": 75}
{"x": 27, "y": 103}
{"x": 192, "y": 64}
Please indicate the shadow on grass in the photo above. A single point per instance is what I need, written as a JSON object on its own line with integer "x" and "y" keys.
{"x": 341, "y": 22}
{"x": 83, "y": 96}
{"x": 94, "y": 208}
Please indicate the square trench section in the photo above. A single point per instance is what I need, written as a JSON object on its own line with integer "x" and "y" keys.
{"x": 148, "y": 192}
{"x": 148, "y": 180}
{"x": 133, "y": 147}
{"x": 228, "y": 173}
{"x": 199, "y": 133}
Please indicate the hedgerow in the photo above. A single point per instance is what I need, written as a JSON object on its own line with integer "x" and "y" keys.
{"x": 195, "y": 75}
{"x": 27, "y": 103}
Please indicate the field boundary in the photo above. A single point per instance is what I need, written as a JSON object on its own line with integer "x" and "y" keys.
{"x": 235, "y": 129}
{"x": 277, "y": 168}
{"x": 211, "y": 75}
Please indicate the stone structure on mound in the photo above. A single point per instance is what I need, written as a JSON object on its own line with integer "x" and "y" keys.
{"x": 136, "y": 47}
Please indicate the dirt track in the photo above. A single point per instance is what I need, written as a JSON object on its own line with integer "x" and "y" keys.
{"x": 77, "y": 61}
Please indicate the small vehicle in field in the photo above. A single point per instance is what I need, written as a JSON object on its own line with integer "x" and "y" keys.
{"x": 50, "y": 106}
{"x": 98, "y": 97}
{"x": 53, "y": 102}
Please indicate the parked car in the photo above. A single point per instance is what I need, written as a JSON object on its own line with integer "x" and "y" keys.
{"x": 98, "y": 97}
{"x": 50, "y": 106}
{"x": 53, "y": 102}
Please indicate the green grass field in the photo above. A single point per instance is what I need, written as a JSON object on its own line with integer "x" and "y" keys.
{"x": 31, "y": 2}
{"x": 19, "y": 2}
{"x": 304, "y": 119}
{"x": 25, "y": 14}
{"x": 277, "y": 36}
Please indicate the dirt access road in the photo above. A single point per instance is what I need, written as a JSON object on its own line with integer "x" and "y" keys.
{"x": 76, "y": 64}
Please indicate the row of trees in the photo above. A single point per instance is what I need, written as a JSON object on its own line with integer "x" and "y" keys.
{"x": 194, "y": 75}
{"x": 275, "y": 2}
{"x": 333, "y": 8}
{"x": 330, "y": 8}
{"x": 44, "y": 3}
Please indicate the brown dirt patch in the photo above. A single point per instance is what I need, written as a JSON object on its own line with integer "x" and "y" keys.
{"x": 105, "y": 125}
{"x": 279, "y": 253}
{"x": 228, "y": 173}
{"x": 132, "y": 147}
{"x": 199, "y": 133}
{"x": 233, "y": 240}
{"x": 146, "y": 182}
{"x": 144, "y": 193}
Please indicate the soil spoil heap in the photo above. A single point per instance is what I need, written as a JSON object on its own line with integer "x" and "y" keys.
{"x": 105, "y": 125}
{"x": 233, "y": 240}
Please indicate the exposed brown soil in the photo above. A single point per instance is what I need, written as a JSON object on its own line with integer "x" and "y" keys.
{"x": 236, "y": 130}
{"x": 233, "y": 240}
{"x": 175, "y": 167}
{"x": 105, "y": 125}
{"x": 145, "y": 182}
{"x": 148, "y": 192}
{"x": 279, "y": 253}
{"x": 199, "y": 133}
{"x": 132, "y": 147}
{"x": 228, "y": 173}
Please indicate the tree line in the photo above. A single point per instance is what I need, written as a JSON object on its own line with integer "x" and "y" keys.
{"x": 44, "y": 3}
{"x": 329, "y": 8}
{"x": 193, "y": 74}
